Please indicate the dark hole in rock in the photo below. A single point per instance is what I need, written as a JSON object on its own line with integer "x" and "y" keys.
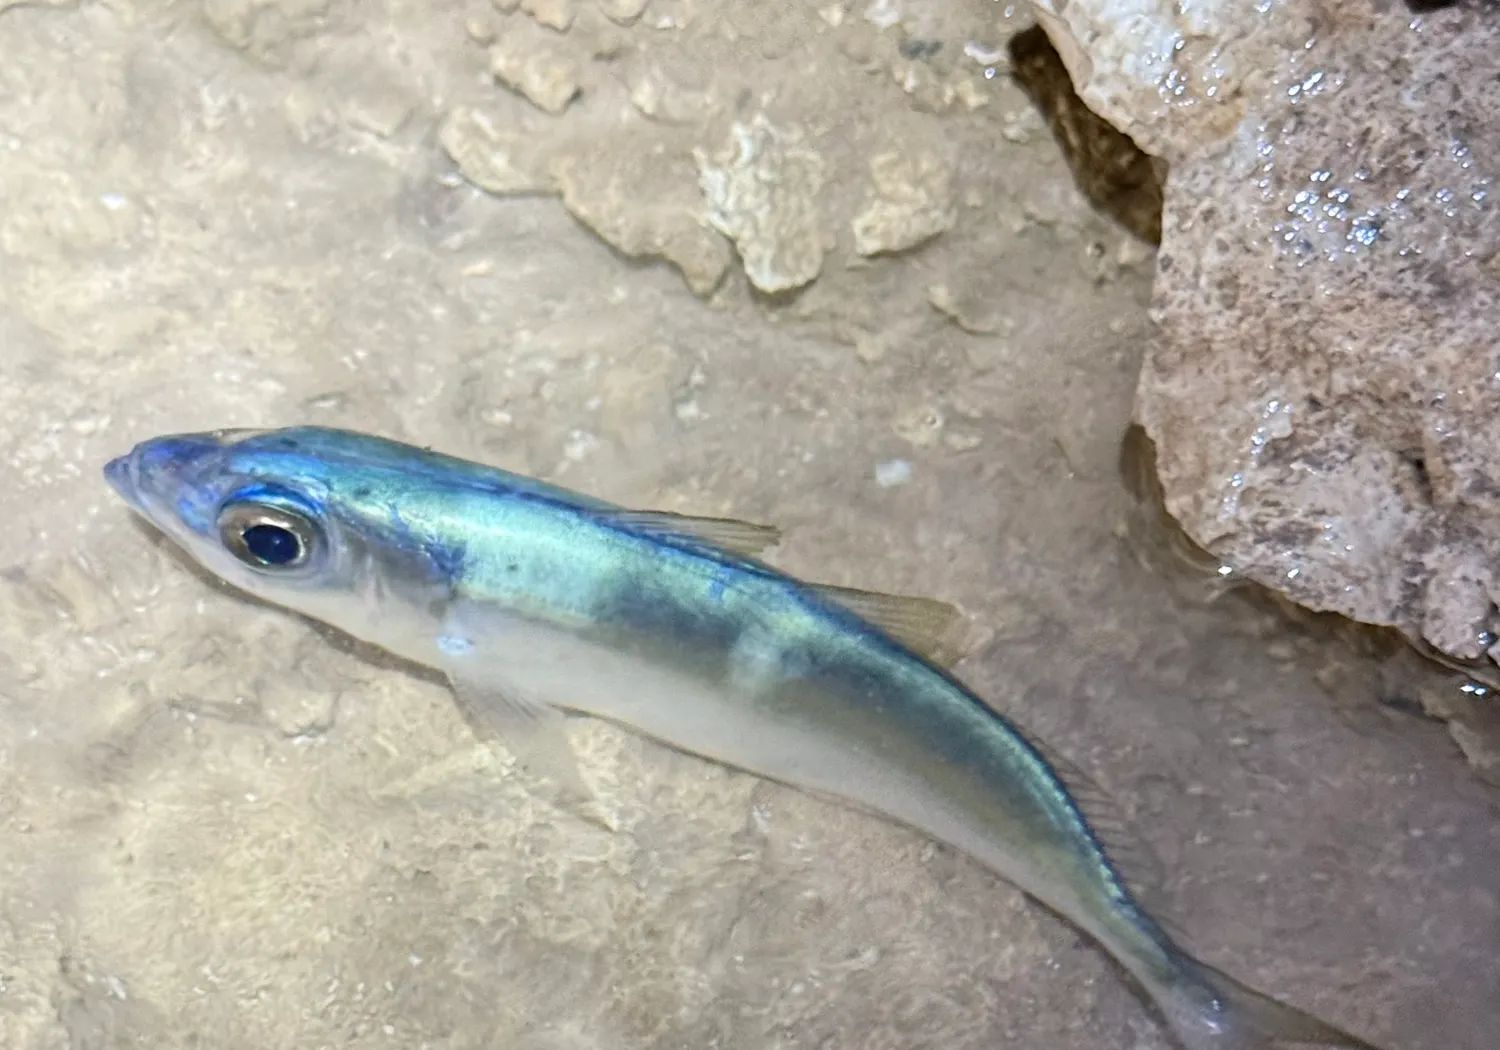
{"x": 1116, "y": 176}
{"x": 1418, "y": 464}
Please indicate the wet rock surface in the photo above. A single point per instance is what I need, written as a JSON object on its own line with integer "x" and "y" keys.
{"x": 1325, "y": 389}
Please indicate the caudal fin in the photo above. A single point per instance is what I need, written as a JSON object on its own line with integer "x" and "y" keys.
{"x": 1209, "y": 1010}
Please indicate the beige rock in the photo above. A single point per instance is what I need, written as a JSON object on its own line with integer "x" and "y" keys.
{"x": 920, "y": 424}
{"x": 265, "y": 28}
{"x": 910, "y": 201}
{"x": 762, "y": 194}
{"x": 545, "y": 74}
{"x": 1324, "y": 389}
{"x": 624, "y": 12}
{"x": 376, "y": 102}
{"x": 1172, "y": 76}
{"x": 554, "y": 14}
{"x": 967, "y": 305}
{"x": 496, "y": 159}
{"x": 641, "y": 200}
{"x": 660, "y": 96}
{"x": 62, "y": 218}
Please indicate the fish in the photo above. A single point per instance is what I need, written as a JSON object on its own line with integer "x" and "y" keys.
{"x": 538, "y": 603}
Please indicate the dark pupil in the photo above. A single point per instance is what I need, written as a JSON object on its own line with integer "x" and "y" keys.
{"x": 272, "y": 544}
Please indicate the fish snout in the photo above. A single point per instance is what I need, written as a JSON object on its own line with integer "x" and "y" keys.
{"x": 119, "y": 474}
{"x": 155, "y": 468}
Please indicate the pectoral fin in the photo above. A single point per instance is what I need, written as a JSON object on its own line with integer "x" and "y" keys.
{"x": 535, "y": 733}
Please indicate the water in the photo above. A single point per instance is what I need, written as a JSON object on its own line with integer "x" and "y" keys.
{"x": 222, "y": 826}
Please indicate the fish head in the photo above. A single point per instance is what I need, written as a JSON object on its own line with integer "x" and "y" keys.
{"x": 315, "y": 520}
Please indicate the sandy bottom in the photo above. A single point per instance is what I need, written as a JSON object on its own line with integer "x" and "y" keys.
{"x": 219, "y": 830}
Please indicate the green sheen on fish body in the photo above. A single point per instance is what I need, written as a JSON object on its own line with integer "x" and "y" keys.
{"x": 535, "y": 601}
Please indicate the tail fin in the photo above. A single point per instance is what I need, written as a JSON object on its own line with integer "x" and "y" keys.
{"x": 1209, "y": 1010}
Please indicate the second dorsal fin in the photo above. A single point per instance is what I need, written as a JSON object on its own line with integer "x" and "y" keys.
{"x": 1127, "y": 849}
{"x": 730, "y": 534}
{"x": 924, "y": 625}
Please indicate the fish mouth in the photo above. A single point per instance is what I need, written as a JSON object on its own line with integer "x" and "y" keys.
{"x": 120, "y": 472}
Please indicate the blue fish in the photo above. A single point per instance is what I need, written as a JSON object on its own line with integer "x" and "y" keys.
{"x": 536, "y": 601}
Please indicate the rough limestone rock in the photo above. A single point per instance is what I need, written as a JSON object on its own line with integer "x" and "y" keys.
{"x": 641, "y": 198}
{"x": 1324, "y": 389}
{"x": 762, "y": 194}
{"x": 543, "y": 72}
{"x": 910, "y": 201}
{"x": 494, "y": 157}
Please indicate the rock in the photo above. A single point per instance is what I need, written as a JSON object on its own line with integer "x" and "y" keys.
{"x": 762, "y": 194}
{"x": 657, "y": 95}
{"x": 543, "y": 73}
{"x": 62, "y": 218}
{"x": 1324, "y": 389}
{"x": 497, "y": 160}
{"x": 624, "y": 12}
{"x": 266, "y": 29}
{"x": 376, "y": 101}
{"x": 554, "y": 14}
{"x": 969, "y": 305}
{"x": 919, "y": 424}
{"x": 911, "y": 201}
{"x": 640, "y": 199}
{"x": 1115, "y": 174}
{"x": 1173, "y": 76}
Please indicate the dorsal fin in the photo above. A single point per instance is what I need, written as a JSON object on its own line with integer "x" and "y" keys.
{"x": 730, "y": 534}
{"x": 924, "y": 625}
{"x": 1128, "y": 851}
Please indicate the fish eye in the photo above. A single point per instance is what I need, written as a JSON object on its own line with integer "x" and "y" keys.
{"x": 266, "y": 537}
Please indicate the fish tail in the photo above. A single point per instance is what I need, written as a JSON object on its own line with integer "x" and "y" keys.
{"x": 1209, "y": 1010}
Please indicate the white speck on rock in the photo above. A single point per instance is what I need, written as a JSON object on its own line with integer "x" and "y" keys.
{"x": 579, "y": 444}
{"x": 883, "y": 14}
{"x": 892, "y": 472}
